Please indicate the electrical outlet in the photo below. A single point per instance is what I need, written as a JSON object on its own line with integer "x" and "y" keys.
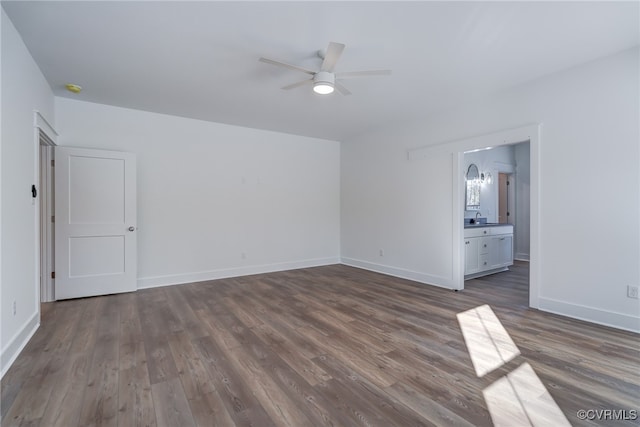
{"x": 381, "y": 252}
{"x": 243, "y": 255}
{"x": 15, "y": 307}
{"x": 632, "y": 291}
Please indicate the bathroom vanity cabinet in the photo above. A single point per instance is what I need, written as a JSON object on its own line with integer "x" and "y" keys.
{"x": 488, "y": 249}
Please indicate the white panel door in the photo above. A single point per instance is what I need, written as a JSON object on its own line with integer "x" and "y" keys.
{"x": 95, "y": 222}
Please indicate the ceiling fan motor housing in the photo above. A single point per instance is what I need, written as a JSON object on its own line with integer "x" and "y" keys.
{"x": 323, "y": 82}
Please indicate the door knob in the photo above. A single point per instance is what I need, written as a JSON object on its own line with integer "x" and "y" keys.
{"x": 132, "y": 228}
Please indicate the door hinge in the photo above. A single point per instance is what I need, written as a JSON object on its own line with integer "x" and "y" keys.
{"x": 53, "y": 274}
{"x": 508, "y": 183}
{"x": 53, "y": 218}
{"x": 53, "y": 163}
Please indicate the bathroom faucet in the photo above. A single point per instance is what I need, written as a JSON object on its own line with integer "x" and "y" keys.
{"x": 477, "y": 215}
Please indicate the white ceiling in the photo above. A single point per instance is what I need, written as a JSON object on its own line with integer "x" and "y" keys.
{"x": 200, "y": 59}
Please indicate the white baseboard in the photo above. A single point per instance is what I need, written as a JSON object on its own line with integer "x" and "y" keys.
{"x": 18, "y": 342}
{"x": 442, "y": 282}
{"x": 591, "y": 314}
{"x": 177, "y": 279}
{"x": 521, "y": 257}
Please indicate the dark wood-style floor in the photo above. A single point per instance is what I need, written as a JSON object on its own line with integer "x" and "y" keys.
{"x": 325, "y": 346}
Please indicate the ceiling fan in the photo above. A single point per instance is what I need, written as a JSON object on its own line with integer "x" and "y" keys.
{"x": 325, "y": 80}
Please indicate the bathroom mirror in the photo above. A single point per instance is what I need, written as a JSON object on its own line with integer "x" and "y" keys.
{"x": 472, "y": 193}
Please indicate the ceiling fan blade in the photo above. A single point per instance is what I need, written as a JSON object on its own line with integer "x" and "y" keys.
{"x": 285, "y": 65}
{"x": 331, "y": 56}
{"x": 298, "y": 84}
{"x": 354, "y": 74}
{"x": 343, "y": 90}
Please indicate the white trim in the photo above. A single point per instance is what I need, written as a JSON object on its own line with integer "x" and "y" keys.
{"x": 179, "y": 279}
{"x": 46, "y": 225}
{"x": 40, "y": 121}
{"x": 2, "y": 365}
{"x": 494, "y": 139}
{"x": 41, "y": 125}
{"x": 18, "y": 342}
{"x": 534, "y": 216}
{"x": 521, "y": 257}
{"x": 590, "y": 314}
{"x": 457, "y": 251}
{"x": 440, "y": 281}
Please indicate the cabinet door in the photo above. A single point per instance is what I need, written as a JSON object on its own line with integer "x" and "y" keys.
{"x": 502, "y": 251}
{"x": 471, "y": 262}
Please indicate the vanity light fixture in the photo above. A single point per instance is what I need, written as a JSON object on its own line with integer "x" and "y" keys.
{"x": 486, "y": 178}
{"x": 473, "y": 174}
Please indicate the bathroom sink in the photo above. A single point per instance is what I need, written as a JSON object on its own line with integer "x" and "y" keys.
{"x": 475, "y": 222}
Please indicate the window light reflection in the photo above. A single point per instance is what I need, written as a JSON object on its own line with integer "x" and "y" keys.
{"x": 489, "y": 344}
{"x": 521, "y": 398}
{"x": 518, "y": 398}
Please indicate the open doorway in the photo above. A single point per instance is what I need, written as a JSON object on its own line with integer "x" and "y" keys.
{"x": 522, "y": 202}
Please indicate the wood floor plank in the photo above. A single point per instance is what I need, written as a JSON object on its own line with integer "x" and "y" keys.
{"x": 184, "y": 313}
{"x": 273, "y": 399}
{"x": 171, "y": 406}
{"x": 208, "y": 410}
{"x": 368, "y": 395}
{"x": 359, "y": 362}
{"x": 64, "y": 406}
{"x": 288, "y": 351}
{"x": 433, "y": 412}
{"x": 100, "y": 400}
{"x": 325, "y": 346}
{"x": 191, "y": 370}
{"x": 235, "y": 392}
{"x": 135, "y": 400}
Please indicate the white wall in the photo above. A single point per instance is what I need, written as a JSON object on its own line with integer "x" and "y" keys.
{"x": 208, "y": 192}
{"x": 24, "y": 90}
{"x": 588, "y": 226}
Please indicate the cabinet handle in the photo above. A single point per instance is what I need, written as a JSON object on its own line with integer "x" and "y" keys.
{"x": 503, "y": 238}
{"x": 485, "y": 231}
{"x": 466, "y": 243}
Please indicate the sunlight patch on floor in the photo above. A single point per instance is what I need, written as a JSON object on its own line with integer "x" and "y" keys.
{"x": 518, "y": 398}
{"x": 521, "y": 397}
{"x": 489, "y": 344}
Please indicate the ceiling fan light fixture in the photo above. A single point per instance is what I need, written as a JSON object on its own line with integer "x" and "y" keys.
{"x": 323, "y": 88}
{"x": 323, "y": 82}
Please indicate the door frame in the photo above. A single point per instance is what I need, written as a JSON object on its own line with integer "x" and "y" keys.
{"x": 45, "y": 137}
{"x": 531, "y": 133}
{"x": 47, "y": 213}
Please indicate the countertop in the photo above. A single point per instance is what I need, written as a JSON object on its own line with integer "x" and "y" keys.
{"x": 486, "y": 224}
